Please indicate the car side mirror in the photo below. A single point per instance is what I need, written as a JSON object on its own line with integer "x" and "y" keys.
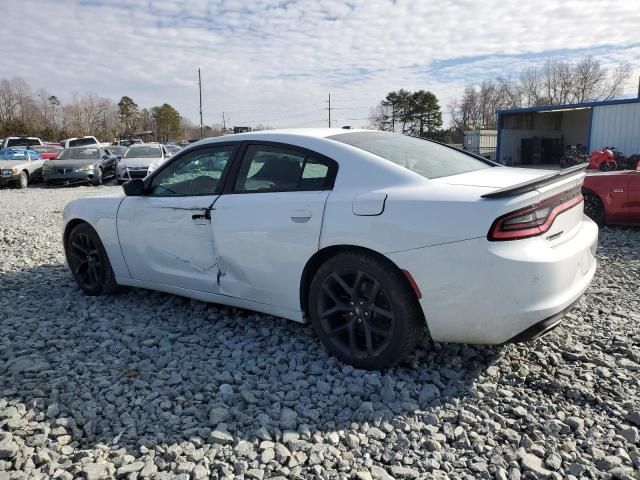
{"x": 105, "y": 157}
{"x": 133, "y": 188}
{"x": 119, "y": 157}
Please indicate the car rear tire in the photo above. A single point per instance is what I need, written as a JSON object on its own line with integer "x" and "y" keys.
{"x": 23, "y": 181}
{"x": 364, "y": 311}
{"x": 594, "y": 208}
{"x": 89, "y": 262}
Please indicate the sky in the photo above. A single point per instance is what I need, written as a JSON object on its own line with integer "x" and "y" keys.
{"x": 274, "y": 62}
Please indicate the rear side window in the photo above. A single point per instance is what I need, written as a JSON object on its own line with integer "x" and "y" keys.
{"x": 267, "y": 168}
{"x": 22, "y": 142}
{"x": 81, "y": 142}
{"x": 429, "y": 159}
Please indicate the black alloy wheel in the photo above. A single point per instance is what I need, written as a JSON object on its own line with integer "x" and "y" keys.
{"x": 594, "y": 208}
{"x": 364, "y": 310}
{"x": 88, "y": 261}
{"x": 356, "y": 313}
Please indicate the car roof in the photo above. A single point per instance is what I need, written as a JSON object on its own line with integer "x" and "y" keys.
{"x": 280, "y": 135}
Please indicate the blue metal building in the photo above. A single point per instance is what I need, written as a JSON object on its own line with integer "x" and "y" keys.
{"x": 540, "y": 135}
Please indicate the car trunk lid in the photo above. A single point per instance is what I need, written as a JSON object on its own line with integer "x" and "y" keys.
{"x": 520, "y": 190}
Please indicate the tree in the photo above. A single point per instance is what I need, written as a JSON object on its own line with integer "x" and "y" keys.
{"x": 554, "y": 83}
{"x": 128, "y": 110}
{"x": 425, "y": 115}
{"x": 167, "y": 122}
{"x": 417, "y": 113}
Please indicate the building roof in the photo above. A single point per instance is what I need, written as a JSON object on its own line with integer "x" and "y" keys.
{"x": 571, "y": 106}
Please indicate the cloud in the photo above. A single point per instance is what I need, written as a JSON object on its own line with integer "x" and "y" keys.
{"x": 276, "y": 60}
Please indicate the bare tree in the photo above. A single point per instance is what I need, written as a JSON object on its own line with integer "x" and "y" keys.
{"x": 554, "y": 83}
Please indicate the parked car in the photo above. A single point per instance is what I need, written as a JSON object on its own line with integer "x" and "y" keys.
{"x": 20, "y": 166}
{"x": 80, "y": 165}
{"x": 79, "y": 142}
{"x": 374, "y": 237}
{"x": 21, "y": 142}
{"x": 613, "y": 197}
{"x": 138, "y": 159}
{"x": 48, "y": 151}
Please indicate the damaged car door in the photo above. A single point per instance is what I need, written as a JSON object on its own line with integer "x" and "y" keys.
{"x": 267, "y": 223}
{"x": 166, "y": 234}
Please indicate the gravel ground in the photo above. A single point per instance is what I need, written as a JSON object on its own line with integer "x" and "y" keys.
{"x": 149, "y": 385}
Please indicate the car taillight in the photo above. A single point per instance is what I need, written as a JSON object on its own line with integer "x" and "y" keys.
{"x": 535, "y": 219}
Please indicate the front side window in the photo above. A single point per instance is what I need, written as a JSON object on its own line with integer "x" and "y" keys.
{"x": 196, "y": 173}
{"x": 268, "y": 168}
{"x": 429, "y": 159}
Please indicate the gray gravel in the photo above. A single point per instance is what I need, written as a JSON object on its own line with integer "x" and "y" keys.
{"x": 148, "y": 385}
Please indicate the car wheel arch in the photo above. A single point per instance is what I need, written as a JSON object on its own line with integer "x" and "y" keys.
{"x": 69, "y": 227}
{"x": 324, "y": 254}
{"x": 587, "y": 191}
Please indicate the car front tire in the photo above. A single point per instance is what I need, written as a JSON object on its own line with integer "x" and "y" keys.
{"x": 89, "y": 262}
{"x": 364, "y": 311}
{"x": 98, "y": 178}
{"x": 23, "y": 181}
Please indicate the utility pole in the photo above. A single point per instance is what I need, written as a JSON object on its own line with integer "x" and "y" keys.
{"x": 329, "y": 109}
{"x": 200, "y": 88}
{"x": 224, "y": 122}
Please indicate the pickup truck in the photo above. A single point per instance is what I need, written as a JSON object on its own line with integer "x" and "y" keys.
{"x": 85, "y": 141}
{"x": 23, "y": 142}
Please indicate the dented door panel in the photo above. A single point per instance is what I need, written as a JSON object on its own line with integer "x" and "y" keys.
{"x": 168, "y": 240}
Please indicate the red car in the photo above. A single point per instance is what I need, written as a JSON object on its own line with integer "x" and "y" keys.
{"x": 48, "y": 151}
{"x": 612, "y": 197}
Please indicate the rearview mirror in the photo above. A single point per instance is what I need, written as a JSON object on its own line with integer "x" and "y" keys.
{"x": 133, "y": 188}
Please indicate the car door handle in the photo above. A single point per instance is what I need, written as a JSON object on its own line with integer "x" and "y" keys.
{"x": 206, "y": 214}
{"x": 300, "y": 214}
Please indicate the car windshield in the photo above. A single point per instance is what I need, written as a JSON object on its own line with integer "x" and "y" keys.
{"x": 10, "y": 154}
{"x": 117, "y": 149}
{"x": 143, "y": 152}
{"x": 79, "y": 154}
{"x": 22, "y": 142}
{"x": 429, "y": 159}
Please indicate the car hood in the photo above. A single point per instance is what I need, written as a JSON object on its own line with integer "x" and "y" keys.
{"x": 138, "y": 162}
{"x": 497, "y": 177}
{"x": 4, "y": 164}
{"x": 70, "y": 163}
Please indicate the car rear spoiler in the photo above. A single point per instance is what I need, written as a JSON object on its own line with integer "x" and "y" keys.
{"x": 530, "y": 185}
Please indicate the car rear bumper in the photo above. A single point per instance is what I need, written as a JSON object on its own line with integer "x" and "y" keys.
{"x": 476, "y": 291}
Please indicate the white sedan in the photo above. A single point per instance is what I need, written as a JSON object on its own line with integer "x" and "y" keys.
{"x": 373, "y": 237}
